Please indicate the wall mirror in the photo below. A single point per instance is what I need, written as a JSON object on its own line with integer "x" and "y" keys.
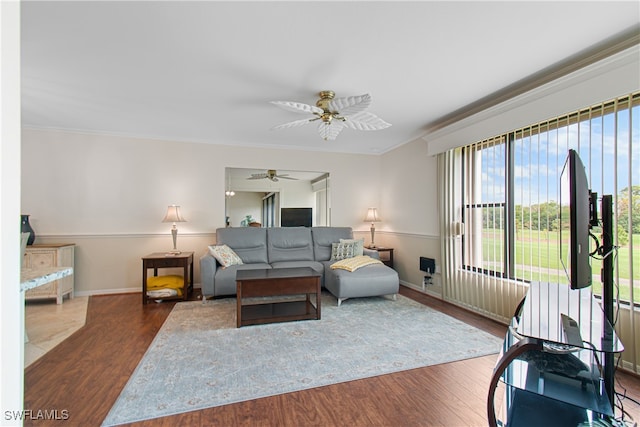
{"x": 275, "y": 198}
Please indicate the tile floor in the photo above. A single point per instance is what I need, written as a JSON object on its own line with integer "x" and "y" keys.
{"x": 48, "y": 324}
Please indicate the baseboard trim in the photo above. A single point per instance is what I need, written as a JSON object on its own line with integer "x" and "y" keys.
{"x": 107, "y": 292}
{"x": 419, "y": 288}
{"x": 117, "y": 291}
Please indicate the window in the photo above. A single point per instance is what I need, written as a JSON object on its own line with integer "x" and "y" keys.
{"x": 485, "y": 206}
{"x": 269, "y": 204}
{"x": 511, "y": 194}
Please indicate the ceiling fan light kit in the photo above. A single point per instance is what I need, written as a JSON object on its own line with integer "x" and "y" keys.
{"x": 334, "y": 114}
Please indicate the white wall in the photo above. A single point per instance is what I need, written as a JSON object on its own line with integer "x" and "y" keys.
{"x": 409, "y": 210}
{"x": 298, "y": 194}
{"x": 242, "y": 204}
{"x": 11, "y": 299}
{"x": 109, "y": 194}
{"x": 408, "y": 192}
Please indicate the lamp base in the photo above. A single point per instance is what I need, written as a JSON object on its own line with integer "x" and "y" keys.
{"x": 174, "y": 236}
{"x": 373, "y": 232}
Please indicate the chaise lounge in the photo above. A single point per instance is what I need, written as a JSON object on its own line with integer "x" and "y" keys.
{"x": 287, "y": 247}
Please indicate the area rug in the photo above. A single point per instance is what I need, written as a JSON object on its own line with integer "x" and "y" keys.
{"x": 199, "y": 359}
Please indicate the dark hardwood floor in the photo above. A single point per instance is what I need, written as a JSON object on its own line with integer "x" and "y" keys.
{"x": 85, "y": 374}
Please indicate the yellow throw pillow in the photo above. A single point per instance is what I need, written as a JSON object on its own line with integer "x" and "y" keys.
{"x": 352, "y": 264}
{"x": 166, "y": 282}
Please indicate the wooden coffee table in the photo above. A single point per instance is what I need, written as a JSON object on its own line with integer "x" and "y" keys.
{"x": 277, "y": 282}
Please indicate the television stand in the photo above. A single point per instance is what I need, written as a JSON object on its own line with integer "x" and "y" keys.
{"x": 542, "y": 378}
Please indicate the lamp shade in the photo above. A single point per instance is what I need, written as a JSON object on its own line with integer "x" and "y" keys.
{"x": 372, "y": 215}
{"x": 173, "y": 215}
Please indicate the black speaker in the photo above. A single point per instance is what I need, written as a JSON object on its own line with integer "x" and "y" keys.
{"x": 428, "y": 265}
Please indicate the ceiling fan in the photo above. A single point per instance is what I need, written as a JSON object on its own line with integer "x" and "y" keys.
{"x": 334, "y": 114}
{"x": 270, "y": 174}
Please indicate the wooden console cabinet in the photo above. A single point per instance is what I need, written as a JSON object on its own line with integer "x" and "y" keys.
{"x": 51, "y": 255}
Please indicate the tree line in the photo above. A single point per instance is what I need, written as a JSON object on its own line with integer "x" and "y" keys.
{"x": 547, "y": 216}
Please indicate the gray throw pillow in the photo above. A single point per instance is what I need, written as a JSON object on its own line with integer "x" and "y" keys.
{"x": 341, "y": 251}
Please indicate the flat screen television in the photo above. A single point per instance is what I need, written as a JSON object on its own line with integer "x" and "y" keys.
{"x": 296, "y": 217}
{"x": 575, "y": 216}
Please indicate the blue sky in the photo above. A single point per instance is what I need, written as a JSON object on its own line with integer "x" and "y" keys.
{"x": 539, "y": 159}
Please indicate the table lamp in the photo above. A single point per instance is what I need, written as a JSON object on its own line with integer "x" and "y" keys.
{"x": 173, "y": 215}
{"x": 372, "y": 217}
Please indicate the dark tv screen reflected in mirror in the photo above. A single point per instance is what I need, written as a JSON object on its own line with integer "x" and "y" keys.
{"x": 296, "y": 217}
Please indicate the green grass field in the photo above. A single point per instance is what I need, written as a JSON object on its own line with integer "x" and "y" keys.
{"x": 538, "y": 259}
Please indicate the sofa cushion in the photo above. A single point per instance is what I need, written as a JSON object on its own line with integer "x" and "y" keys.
{"x": 289, "y": 244}
{"x": 372, "y": 280}
{"x": 317, "y": 266}
{"x": 323, "y": 237}
{"x": 224, "y": 255}
{"x": 249, "y": 243}
{"x": 225, "y": 280}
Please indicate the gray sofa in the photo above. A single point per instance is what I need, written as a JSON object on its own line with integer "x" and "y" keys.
{"x": 294, "y": 247}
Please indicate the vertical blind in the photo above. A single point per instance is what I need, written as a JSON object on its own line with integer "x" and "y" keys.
{"x": 502, "y": 228}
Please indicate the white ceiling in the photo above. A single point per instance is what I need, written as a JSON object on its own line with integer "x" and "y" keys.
{"x": 205, "y": 71}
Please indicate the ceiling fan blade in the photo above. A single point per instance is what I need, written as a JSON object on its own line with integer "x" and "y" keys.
{"x": 293, "y": 124}
{"x": 350, "y": 104}
{"x": 258, "y": 176}
{"x": 330, "y": 131}
{"x": 365, "y": 121}
{"x": 286, "y": 177}
{"x": 298, "y": 107}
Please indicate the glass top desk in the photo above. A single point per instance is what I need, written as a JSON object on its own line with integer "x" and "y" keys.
{"x": 541, "y": 317}
{"x": 546, "y": 378}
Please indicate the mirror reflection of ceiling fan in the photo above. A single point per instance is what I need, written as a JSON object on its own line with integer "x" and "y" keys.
{"x": 334, "y": 114}
{"x": 270, "y": 174}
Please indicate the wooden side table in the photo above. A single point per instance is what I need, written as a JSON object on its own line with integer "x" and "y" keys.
{"x": 386, "y": 255}
{"x": 163, "y": 260}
